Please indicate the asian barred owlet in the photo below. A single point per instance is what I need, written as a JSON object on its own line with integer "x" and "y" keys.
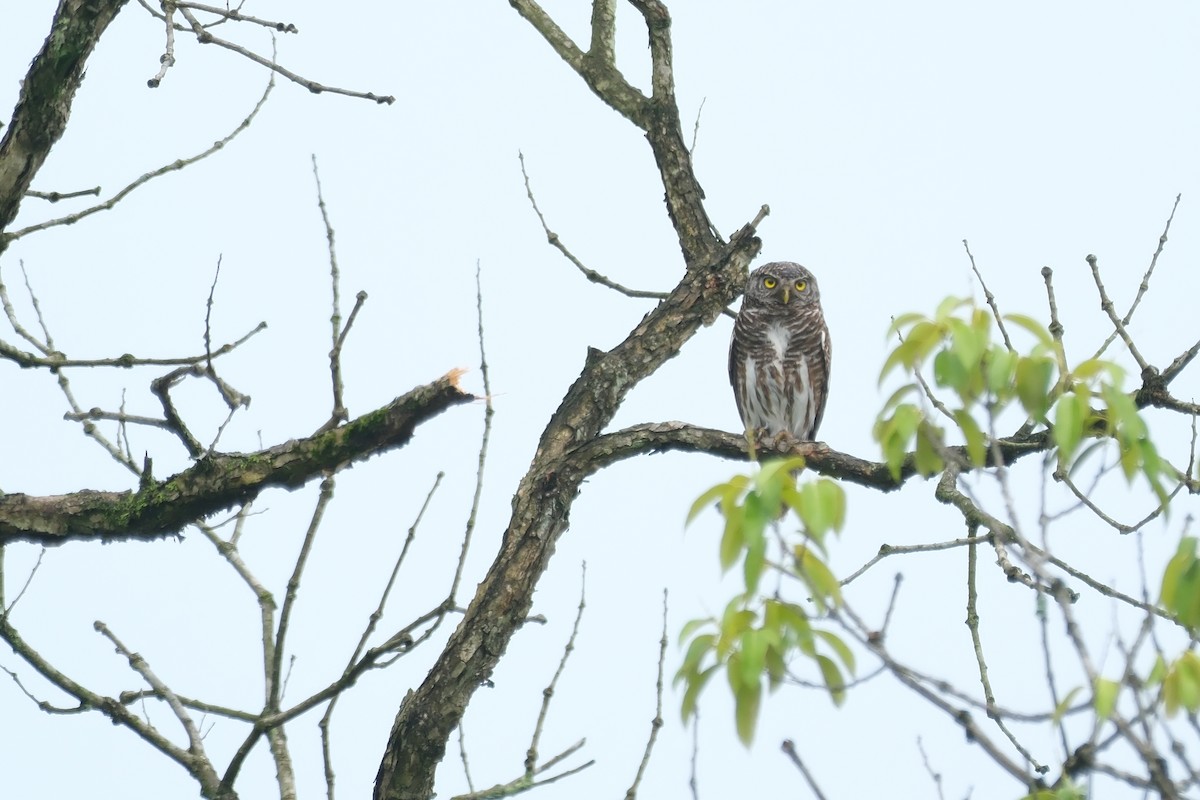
{"x": 780, "y": 354}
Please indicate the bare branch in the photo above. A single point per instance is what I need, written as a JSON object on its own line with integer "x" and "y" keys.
{"x": 204, "y": 36}
{"x": 1107, "y": 305}
{"x": 989, "y": 297}
{"x": 44, "y": 104}
{"x": 552, "y": 237}
{"x": 174, "y": 166}
{"x": 789, "y": 749}
{"x": 1144, "y": 286}
{"x": 656, "y": 723}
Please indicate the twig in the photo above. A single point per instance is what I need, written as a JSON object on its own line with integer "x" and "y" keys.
{"x": 693, "y": 778}
{"x": 886, "y": 550}
{"x": 204, "y": 36}
{"x": 174, "y": 166}
{"x": 1145, "y": 284}
{"x": 977, "y": 643}
{"x": 235, "y": 15}
{"x": 887, "y": 616}
{"x": 201, "y": 767}
{"x": 54, "y": 197}
{"x": 989, "y": 297}
{"x": 372, "y": 623}
{"x": 339, "y": 413}
{"x": 167, "y": 59}
{"x": 591, "y": 274}
{"x": 656, "y": 723}
{"x": 1107, "y": 305}
{"x": 789, "y": 748}
{"x": 462, "y": 751}
{"x": 936, "y": 776}
{"x": 696, "y": 126}
{"x": 208, "y": 307}
{"x": 488, "y": 412}
{"x": 531, "y": 755}
{"x": 7, "y": 610}
{"x": 275, "y": 662}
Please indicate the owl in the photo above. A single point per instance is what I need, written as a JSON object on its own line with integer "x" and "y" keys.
{"x": 780, "y": 354}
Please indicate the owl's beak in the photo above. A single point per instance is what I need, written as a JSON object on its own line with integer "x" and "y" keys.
{"x": 786, "y": 294}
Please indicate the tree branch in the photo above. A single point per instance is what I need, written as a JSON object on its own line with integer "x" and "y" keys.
{"x": 221, "y": 480}
{"x": 44, "y": 105}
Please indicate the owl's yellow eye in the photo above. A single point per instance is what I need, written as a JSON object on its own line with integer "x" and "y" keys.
{"x": 769, "y": 283}
{"x": 801, "y": 286}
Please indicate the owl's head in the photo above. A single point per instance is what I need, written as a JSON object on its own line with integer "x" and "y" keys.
{"x": 783, "y": 286}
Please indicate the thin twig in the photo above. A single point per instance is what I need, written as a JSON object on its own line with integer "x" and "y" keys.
{"x": 789, "y": 748}
{"x": 935, "y": 775}
{"x": 339, "y": 413}
{"x": 886, "y": 550}
{"x": 531, "y": 755}
{"x": 167, "y": 59}
{"x": 696, "y": 126}
{"x": 372, "y": 623}
{"x": 204, "y": 36}
{"x": 273, "y": 679}
{"x": 977, "y": 643}
{"x": 174, "y": 166}
{"x": 54, "y": 197}
{"x": 591, "y": 274}
{"x": 989, "y": 297}
{"x": 1144, "y": 286}
{"x": 481, "y": 462}
{"x": 1107, "y": 305}
{"x": 208, "y": 307}
{"x": 462, "y": 751}
{"x": 7, "y": 610}
{"x": 656, "y": 723}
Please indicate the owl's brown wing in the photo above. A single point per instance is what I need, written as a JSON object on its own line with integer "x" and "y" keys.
{"x": 818, "y": 372}
{"x": 737, "y": 365}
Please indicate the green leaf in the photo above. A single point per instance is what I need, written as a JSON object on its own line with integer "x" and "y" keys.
{"x": 903, "y": 321}
{"x": 691, "y": 694}
{"x": 949, "y": 305}
{"x": 1104, "y": 697}
{"x": 928, "y": 460}
{"x": 1069, "y": 419}
{"x": 1032, "y": 326}
{"x": 897, "y": 396}
{"x": 834, "y": 681}
{"x": 756, "y": 558}
{"x": 976, "y": 443}
{"x": 895, "y": 433}
{"x": 917, "y": 345}
{"x": 1064, "y": 705}
{"x": 693, "y": 625}
{"x": 842, "y": 650}
{"x": 700, "y": 647}
{"x": 1158, "y": 672}
{"x": 969, "y": 342}
{"x": 778, "y": 472}
{"x": 754, "y": 656}
{"x": 704, "y": 500}
{"x": 747, "y": 700}
{"x": 733, "y": 538}
{"x": 1033, "y": 385}
{"x": 1001, "y": 365}
{"x": 812, "y": 570}
{"x": 950, "y": 372}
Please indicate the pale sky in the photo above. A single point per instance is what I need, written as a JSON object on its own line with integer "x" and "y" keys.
{"x": 880, "y": 134}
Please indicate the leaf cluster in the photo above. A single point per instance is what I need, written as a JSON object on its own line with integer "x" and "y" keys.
{"x": 757, "y": 637}
{"x": 986, "y": 377}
